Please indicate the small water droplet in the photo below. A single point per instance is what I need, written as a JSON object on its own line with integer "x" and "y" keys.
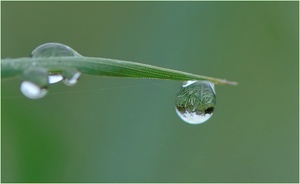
{"x": 54, "y": 78}
{"x": 35, "y": 81}
{"x": 195, "y": 101}
{"x": 33, "y": 91}
{"x": 54, "y": 50}
{"x": 71, "y": 77}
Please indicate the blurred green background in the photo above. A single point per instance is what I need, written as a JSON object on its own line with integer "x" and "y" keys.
{"x": 127, "y": 130}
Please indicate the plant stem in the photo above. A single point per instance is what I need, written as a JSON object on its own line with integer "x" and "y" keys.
{"x": 102, "y": 67}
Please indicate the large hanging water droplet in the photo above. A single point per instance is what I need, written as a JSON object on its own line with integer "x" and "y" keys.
{"x": 35, "y": 81}
{"x": 54, "y": 50}
{"x": 195, "y": 101}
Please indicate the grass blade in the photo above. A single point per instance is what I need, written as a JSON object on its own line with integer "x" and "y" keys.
{"x": 101, "y": 67}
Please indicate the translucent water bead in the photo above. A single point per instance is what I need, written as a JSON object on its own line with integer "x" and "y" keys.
{"x": 34, "y": 84}
{"x": 195, "y": 101}
{"x": 70, "y": 77}
{"x": 54, "y": 50}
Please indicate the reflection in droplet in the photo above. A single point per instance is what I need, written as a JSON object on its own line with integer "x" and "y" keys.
{"x": 195, "y": 101}
{"x": 33, "y": 91}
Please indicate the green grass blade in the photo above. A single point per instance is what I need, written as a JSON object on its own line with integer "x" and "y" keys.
{"x": 101, "y": 67}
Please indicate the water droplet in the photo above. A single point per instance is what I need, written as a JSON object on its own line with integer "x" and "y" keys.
{"x": 54, "y": 50}
{"x": 54, "y": 78}
{"x": 195, "y": 101}
{"x": 35, "y": 81}
{"x": 70, "y": 77}
{"x": 33, "y": 91}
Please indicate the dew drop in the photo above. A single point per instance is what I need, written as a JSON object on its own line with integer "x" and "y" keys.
{"x": 35, "y": 81}
{"x": 195, "y": 101}
{"x": 54, "y": 78}
{"x": 54, "y": 50}
{"x": 70, "y": 77}
{"x": 33, "y": 91}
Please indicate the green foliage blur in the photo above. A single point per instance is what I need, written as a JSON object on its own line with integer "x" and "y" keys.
{"x": 127, "y": 130}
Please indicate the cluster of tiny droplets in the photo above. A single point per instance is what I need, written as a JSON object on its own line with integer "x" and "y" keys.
{"x": 36, "y": 79}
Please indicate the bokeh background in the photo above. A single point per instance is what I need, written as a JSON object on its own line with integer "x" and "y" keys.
{"x": 126, "y": 130}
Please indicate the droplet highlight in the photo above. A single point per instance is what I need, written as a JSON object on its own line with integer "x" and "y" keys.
{"x": 195, "y": 101}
